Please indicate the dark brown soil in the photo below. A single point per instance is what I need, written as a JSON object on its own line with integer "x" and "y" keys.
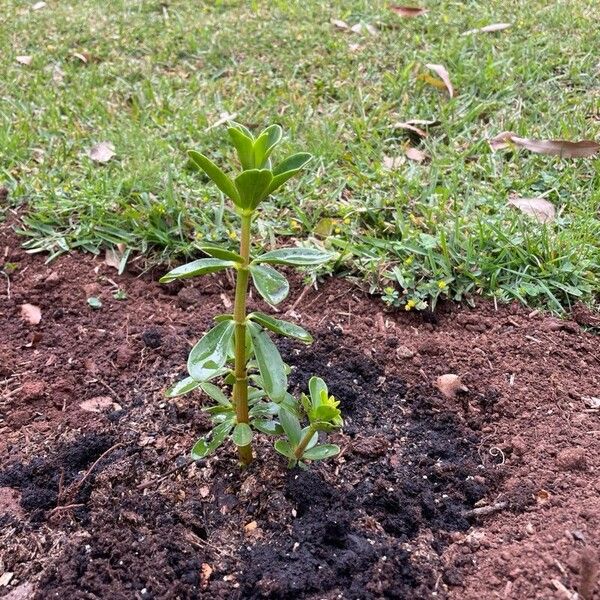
{"x": 107, "y": 505}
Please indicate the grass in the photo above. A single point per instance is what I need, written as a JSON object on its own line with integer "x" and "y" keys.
{"x": 157, "y": 76}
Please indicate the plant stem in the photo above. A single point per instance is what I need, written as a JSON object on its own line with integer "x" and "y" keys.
{"x": 304, "y": 442}
{"x": 240, "y": 387}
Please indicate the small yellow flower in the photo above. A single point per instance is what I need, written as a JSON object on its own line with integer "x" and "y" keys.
{"x": 347, "y": 221}
{"x": 410, "y": 304}
{"x": 337, "y": 230}
{"x": 442, "y": 284}
{"x": 409, "y": 261}
{"x": 233, "y": 235}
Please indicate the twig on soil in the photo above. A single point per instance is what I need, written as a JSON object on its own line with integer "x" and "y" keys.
{"x": 484, "y": 511}
{"x": 57, "y": 509}
{"x": 7, "y": 285}
{"x": 71, "y": 491}
{"x": 167, "y": 474}
{"x": 301, "y": 296}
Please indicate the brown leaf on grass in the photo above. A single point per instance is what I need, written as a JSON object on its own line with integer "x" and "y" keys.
{"x": 538, "y": 208}
{"x": 102, "y": 152}
{"x": 450, "y": 385}
{"x": 408, "y": 11}
{"x": 562, "y": 148}
{"x": 84, "y": 57}
{"x": 415, "y": 154}
{"x": 409, "y": 127}
{"x": 25, "y": 60}
{"x": 500, "y": 141}
{"x": 392, "y": 162}
{"x": 442, "y": 73}
{"x": 359, "y": 27}
{"x": 31, "y": 313}
{"x": 489, "y": 28}
{"x": 205, "y": 572}
{"x": 339, "y": 24}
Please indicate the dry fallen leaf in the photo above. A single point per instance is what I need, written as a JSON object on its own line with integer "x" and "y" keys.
{"x": 442, "y": 73}
{"x": 339, "y": 24}
{"x": 415, "y": 154}
{"x": 224, "y": 117}
{"x": 408, "y": 11}
{"x": 371, "y": 29}
{"x": 25, "y": 60}
{"x": 114, "y": 257}
{"x": 31, "y": 313}
{"x": 250, "y": 527}
{"x": 5, "y": 578}
{"x": 543, "y": 496}
{"x": 205, "y": 572}
{"x": 592, "y": 402}
{"x": 99, "y": 404}
{"x": 83, "y": 57}
{"x": 102, "y": 152}
{"x": 450, "y": 385}
{"x": 38, "y": 6}
{"x": 392, "y": 162}
{"x": 540, "y": 209}
{"x": 489, "y": 28}
{"x": 409, "y": 127}
{"x": 562, "y": 148}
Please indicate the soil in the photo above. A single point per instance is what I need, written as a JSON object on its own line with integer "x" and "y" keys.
{"x": 493, "y": 493}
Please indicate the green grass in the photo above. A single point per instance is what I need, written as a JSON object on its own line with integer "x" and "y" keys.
{"x": 159, "y": 74}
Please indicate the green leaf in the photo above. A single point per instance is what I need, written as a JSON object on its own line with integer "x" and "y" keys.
{"x": 202, "y": 266}
{"x": 281, "y": 327}
{"x": 270, "y": 365}
{"x": 313, "y": 440}
{"x": 291, "y": 425}
{"x": 283, "y": 447}
{"x": 214, "y": 392}
{"x": 94, "y": 302}
{"x": 244, "y": 146}
{"x": 265, "y": 143}
{"x": 316, "y": 386}
{"x": 271, "y": 284}
{"x": 267, "y": 426}
{"x": 182, "y": 387}
{"x": 253, "y": 187}
{"x": 214, "y": 172}
{"x": 208, "y": 444}
{"x": 299, "y": 257}
{"x": 242, "y": 434}
{"x": 210, "y": 353}
{"x": 221, "y": 253}
{"x": 321, "y": 452}
{"x": 287, "y": 169}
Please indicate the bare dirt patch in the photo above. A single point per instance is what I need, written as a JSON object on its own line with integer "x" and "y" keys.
{"x": 104, "y": 503}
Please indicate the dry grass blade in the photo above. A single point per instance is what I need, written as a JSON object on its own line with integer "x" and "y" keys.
{"x": 540, "y": 209}
{"x": 408, "y": 12}
{"x": 562, "y": 148}
{"x": 442, "y": 73}
{"x": 489, "y": 28}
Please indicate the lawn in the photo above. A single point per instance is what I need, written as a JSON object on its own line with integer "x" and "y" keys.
{"x": 156, "y": 78}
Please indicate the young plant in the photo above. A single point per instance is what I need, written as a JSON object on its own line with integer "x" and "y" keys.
{"x": 238, "y": 350}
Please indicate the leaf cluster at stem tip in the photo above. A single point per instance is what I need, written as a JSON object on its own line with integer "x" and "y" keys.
{"x": 236, "y": 363}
